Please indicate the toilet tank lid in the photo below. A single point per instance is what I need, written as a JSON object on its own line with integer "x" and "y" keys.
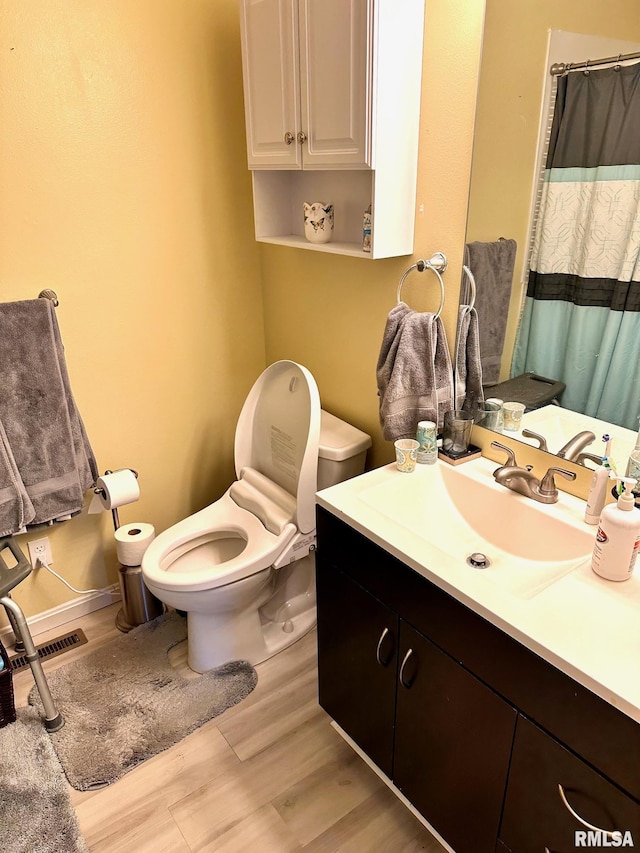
{"x": 340, "y": 440}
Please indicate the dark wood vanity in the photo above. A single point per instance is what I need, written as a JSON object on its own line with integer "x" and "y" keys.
{"x": 474, "y": 729}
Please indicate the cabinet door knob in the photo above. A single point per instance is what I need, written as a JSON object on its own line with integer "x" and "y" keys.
{"x": 288, "y": 138}
{"x": 615, "y": 833}
{"x": 302, "y": 137}
{"x": 384, "y": 662}
{"x": 405, "y": 684}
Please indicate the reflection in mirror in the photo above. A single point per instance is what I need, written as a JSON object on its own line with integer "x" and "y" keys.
{"x": 511, "y": 126}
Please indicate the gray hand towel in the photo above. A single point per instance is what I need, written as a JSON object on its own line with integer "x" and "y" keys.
{"x": 492, "y": 267}
{"x": 414, "y": 375}
{"x": 468, "y": 375}
{"x": 42, "y": 424}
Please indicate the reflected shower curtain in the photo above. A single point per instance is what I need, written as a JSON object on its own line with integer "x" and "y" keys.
{"x": 581, "y": 318}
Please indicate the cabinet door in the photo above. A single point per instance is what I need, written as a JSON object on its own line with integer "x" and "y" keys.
{"x": 452, "y": 747}
{"x": 357, "y": 662}
{"x": 535, "y": 816}
{"x": 269, "y": 35}
{"x": 335, "y": 82}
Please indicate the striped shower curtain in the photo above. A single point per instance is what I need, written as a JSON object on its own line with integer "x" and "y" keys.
{"x": 581, "y": 317}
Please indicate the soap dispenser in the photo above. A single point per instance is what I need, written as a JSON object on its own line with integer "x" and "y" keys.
{"x": 618, "y": 536}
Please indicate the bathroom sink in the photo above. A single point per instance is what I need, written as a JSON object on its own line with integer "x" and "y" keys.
{"x": 462, "y": 511}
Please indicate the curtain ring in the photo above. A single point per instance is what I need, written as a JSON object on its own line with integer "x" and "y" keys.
{"x": 586, "y": 71}
{"x": 617, "y": 66}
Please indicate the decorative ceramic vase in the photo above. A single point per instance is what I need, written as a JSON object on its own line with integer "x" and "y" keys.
{"x": 318, "y": 221}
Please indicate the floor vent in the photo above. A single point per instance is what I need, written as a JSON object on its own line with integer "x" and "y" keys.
{"x": 51, "y": 649}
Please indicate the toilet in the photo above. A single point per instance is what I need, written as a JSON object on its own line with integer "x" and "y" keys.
{"x": 243, "y": 568}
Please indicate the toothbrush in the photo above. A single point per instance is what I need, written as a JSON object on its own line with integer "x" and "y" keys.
{"x": 606, "y": 458}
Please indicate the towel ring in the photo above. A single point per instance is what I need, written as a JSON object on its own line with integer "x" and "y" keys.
{"x": 472, "y": 286}
{"x": 437, "y": 264}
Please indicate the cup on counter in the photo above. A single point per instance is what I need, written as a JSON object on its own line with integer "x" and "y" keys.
{"x": 456, "y": 432}
{"x": 406, "y": 454}
{"x": 513, "y": 413}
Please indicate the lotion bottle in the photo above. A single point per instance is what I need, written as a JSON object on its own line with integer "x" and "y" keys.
{"x": 597, "y": 495}
{"x": 618, "y": 537}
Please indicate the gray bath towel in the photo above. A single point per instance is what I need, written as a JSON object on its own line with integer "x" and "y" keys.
{"x": 16, "y": 510}
{"x": 468, "y": 376}
{"x": 42, "y": 425}
{"x": 414, "y": 375}
{"x": 492, "y": 265}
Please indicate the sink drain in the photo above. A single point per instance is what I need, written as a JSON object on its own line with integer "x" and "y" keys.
{"x": 478, "y": 560}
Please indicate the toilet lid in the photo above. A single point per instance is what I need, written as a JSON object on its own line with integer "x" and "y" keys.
{"x": 278, "y": 434}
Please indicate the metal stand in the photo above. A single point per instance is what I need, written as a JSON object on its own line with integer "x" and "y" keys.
{"x": 53, "y": 719}
{"x": 11, "y": 575}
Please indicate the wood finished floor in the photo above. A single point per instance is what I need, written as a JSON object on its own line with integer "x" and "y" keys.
{"x": 268, "y": 776}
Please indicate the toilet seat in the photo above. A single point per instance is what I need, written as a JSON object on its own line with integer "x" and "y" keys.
{"x": 170, "y": 562}
{"x": 249, "y": 528}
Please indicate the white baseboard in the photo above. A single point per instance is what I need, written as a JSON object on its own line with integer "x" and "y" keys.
{"x": 49, "y": 620}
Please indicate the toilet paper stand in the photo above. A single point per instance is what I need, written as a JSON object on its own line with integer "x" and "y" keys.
{"x": 138, "y": 604}
{"x": 101, "y": 492}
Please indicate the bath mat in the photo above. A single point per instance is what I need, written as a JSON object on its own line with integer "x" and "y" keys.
{"x": 125, "y": 703}
{"x": 36, "y": 814}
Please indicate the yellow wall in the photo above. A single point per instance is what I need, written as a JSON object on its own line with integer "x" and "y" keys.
{"x": 509, "y": 99}
{"x": 329, "y": 312}
{"x": 123, "y": 186}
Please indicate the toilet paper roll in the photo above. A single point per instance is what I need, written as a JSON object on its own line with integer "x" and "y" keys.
{"x": 132, "y": 540}
{"x": 117, "y": 489}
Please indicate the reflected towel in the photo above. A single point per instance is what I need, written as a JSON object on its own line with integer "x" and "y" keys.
{"x": 414, "y": 374}
{"x": 468, "y": 369}
{"x": 42, "y": 425}
{"x": 492, "y": 266}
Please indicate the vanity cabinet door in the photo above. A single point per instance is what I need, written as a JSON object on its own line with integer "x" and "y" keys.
{"x": 535, "y": 816}
{"x": 453, "y": 741}
{"x": 357, "y": 662}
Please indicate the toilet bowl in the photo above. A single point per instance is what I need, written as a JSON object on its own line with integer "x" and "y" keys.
{"x": 243, "y": 567}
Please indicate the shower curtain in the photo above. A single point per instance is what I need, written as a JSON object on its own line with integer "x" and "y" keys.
{"x": 581, "y": 317}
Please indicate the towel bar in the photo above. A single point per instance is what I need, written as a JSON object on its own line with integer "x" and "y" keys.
{"x": 437, "y": 264}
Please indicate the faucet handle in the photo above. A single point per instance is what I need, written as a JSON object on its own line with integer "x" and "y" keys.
{"x": 511, "y": 456}
{"x": 548, "y": 484}
{"x": 542, "y": 441}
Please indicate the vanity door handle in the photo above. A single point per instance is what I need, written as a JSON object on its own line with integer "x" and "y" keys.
{"x": 385, "y": 633}
{"x": 615, "y": 833}
{"x": 405, "y": 684}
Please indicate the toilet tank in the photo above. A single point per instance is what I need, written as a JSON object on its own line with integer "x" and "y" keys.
{"x": 342, "y": 451}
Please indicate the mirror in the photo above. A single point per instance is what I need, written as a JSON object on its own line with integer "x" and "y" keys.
{"x": 514, "y": 73}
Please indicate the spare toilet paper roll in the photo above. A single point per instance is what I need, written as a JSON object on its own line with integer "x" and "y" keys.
{"x": 116, "y": 489}
{"x": 132, "y": 540}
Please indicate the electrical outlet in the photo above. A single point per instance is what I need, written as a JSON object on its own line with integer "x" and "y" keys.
{"x": 40, "y": 549}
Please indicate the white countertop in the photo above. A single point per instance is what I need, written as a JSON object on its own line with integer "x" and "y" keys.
{"x": 586, "y": 626}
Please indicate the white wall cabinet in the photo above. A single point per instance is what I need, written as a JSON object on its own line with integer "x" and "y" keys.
{"x": 332, "y": 107}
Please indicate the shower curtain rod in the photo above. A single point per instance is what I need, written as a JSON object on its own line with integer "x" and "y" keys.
{"x": 562, "y": 67}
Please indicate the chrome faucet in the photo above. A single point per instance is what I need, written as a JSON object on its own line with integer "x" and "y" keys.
{"x": 523, "y": 481}
{"x": 574, "y": 447}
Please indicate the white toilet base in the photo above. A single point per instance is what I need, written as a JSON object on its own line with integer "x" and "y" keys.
{"x": 281, "y": 613}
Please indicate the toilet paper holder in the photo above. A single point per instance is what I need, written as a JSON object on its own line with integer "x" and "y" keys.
{"x": 101, "y": 492}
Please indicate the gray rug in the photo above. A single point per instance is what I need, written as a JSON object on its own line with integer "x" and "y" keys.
{"x": 36, "y": 815}
{"x": 125, "y": 703}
